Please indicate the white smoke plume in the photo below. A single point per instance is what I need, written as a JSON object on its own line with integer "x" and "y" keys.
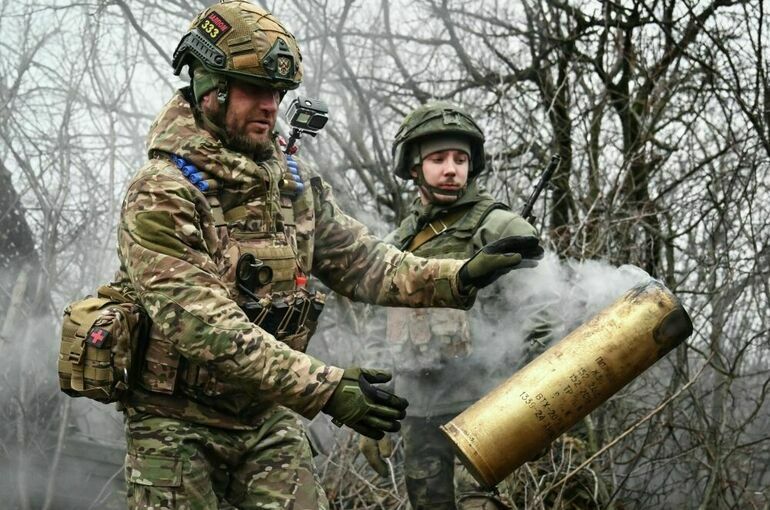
{"x": 567, "y": 293}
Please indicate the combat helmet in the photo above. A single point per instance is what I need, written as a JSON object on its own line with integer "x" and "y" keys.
{"x": 237, "y": 39}
{"x": 429, "y": 121}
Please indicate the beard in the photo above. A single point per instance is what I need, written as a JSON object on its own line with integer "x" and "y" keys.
{"x": 258, "y": 150}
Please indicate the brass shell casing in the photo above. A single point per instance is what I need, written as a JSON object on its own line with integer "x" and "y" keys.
{"x": 514, "y": 422}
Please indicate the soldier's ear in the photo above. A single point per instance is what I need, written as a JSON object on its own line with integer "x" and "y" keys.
{"x": 413, "y": 172}
{"x": 208, "y": 99}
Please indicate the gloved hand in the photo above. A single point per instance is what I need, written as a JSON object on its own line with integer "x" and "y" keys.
{"x": 375, "y": 452}
{"x": 365, "y": 408}
{"x": 497, "y": 258}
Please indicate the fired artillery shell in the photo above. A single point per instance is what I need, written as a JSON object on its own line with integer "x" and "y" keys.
{"x": 513, "y": 423}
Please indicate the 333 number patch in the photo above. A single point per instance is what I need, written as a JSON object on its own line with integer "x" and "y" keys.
{"x": 214, "y": 27}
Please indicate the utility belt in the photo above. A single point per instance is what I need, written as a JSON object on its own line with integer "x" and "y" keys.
{"x": 107, "y": 344}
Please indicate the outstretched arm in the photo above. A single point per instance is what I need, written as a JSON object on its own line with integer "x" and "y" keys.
{"x": 351, "y": 261}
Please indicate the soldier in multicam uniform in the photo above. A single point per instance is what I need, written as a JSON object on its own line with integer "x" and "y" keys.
{"x": 439, "y": 353}
{"x": 216, "y": 240}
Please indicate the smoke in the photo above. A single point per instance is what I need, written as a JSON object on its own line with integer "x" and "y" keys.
{"x": 39, "y": 424}
{"x": 512, "y": 321}
{"x": 524, "y": 313}
{"x": 558, "y": 295}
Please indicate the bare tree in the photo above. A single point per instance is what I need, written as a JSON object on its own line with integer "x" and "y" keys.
{"x": 658, "y": 109}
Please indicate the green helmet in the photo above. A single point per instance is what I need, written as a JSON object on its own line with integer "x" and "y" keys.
{"x": 431, "y": 121}
{"x": 240, "y": 40}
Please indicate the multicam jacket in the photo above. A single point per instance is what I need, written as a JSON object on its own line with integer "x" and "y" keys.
{"x": 441, "y": 359}
{"x": 205, "y": 361}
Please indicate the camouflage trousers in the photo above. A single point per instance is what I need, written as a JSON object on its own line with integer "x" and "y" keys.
{"x": 435, "y": 479}
{"x": 173, "y": 464}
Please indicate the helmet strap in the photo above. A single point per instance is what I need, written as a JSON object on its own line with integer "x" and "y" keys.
{"x": 216, "y": 126}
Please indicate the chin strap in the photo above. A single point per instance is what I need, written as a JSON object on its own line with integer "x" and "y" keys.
{"x": 432, "y": 191}
{"x": 214, "y": 128}
{"x": 223, "y": 96}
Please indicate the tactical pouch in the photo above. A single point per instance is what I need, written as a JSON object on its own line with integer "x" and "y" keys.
{"x": 100, "y": 345}
{"x": 291, "y": 318}
{"x": 427, "y": 339}
{"x": 160, "y": 363}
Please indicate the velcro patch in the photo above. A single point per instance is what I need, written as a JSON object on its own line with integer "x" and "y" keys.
{"x": 98, "y": 337}
{"x": 214, "y": 26}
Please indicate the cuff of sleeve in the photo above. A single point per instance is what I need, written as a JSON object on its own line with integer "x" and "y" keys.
{"x": 449, "y": 279}
{"x": 327, "y": 378}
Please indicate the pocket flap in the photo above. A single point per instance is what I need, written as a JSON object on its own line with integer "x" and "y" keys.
{"x": 84, "y": 313}
{"x": 154, "y": 470}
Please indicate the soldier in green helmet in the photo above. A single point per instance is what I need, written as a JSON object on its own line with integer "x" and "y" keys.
{"x": 438, "y": 352}
{"x": 217, "y": 245}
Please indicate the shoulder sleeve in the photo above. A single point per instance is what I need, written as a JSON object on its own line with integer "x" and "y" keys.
{"x": 351, "y": 261}
{"x": 501, "y": 223}
{"x": 161, "y": 243}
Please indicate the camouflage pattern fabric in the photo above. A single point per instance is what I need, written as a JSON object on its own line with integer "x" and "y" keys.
{"x": 253, "y": 44}
{"x": 181, "y": 465}
{"x": 173, "y": 261}
{"x": 435, "y": 479}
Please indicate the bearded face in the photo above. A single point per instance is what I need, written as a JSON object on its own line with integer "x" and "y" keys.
{"x": 248, "y": 120}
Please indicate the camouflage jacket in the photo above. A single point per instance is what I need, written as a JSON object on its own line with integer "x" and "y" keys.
{"x": 173, "y": 260}
{"x": 446, "y": 359}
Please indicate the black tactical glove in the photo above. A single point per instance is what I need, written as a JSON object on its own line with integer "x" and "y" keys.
{"x": 497, "y": 258}
{"x": 365, "y": 408}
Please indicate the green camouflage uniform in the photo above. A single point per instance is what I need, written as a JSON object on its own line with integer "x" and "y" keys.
{"x": 214, "y": 419}
{"x": 439, "y": 359}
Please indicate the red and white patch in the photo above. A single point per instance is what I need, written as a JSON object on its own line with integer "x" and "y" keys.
{"x": 214, "y": 26}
